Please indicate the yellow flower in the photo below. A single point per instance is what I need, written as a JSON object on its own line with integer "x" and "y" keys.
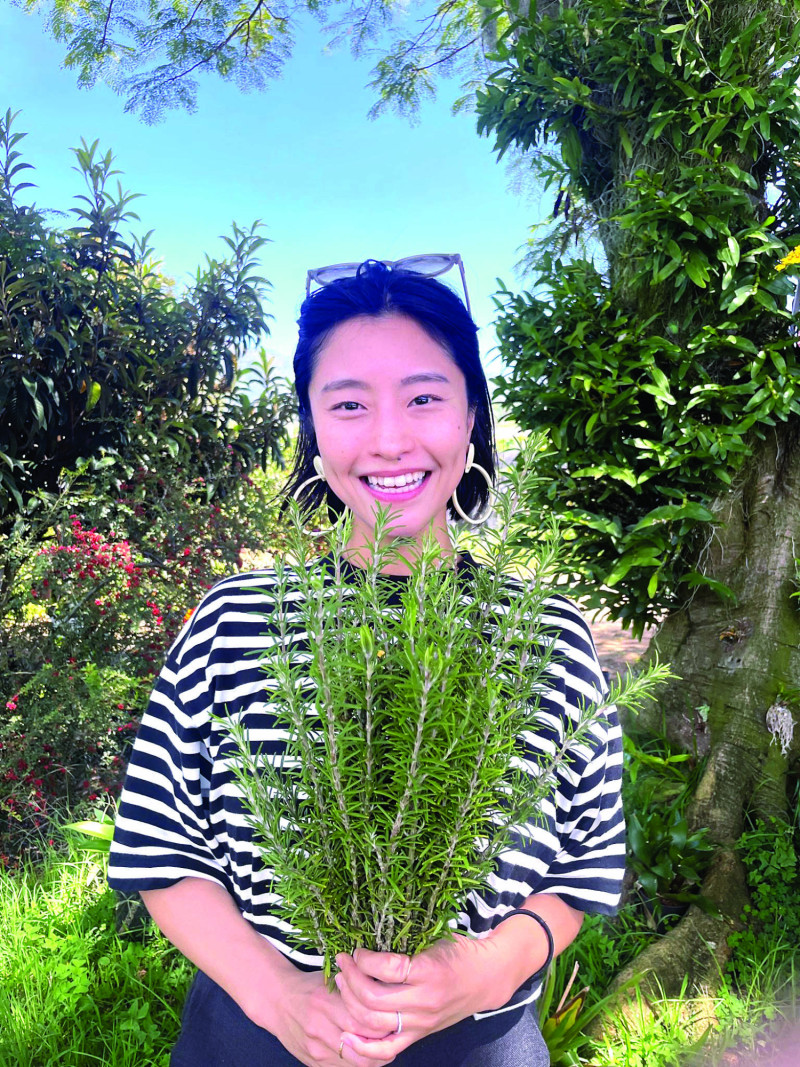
{"x": 380, "y": 653}
{"x": 790, "y": 259}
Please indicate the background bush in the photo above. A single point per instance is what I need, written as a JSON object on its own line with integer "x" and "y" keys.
{"x": 133, "y": 452}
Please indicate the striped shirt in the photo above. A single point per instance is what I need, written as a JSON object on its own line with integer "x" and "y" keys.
{"x": 181, "y": 814}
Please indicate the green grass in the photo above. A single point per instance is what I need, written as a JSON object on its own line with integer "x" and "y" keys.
{"x": 74, "y": 994}
{"x": 71, "y": 992}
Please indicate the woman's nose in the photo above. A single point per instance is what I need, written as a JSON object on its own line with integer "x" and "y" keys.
{"x": 392, "y": 436}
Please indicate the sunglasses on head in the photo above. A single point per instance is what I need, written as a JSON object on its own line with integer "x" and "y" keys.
{"x": 430, "y": 265}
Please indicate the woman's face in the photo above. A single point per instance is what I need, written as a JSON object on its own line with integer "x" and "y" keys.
{"x": 392, "y": 423}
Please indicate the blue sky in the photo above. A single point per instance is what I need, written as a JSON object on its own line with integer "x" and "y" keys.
{"x": 329, "y": 184}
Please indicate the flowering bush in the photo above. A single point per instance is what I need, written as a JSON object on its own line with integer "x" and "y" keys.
{"x": 63, "y": 744}
{"x": 94, "y": 609}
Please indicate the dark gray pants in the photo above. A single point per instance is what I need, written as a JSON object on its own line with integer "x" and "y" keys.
{"x": 217, "y": 1033}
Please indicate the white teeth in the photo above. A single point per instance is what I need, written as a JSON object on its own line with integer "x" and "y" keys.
{"x": 400, "y": 481}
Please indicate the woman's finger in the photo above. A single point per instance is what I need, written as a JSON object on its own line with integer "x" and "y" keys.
{"x": 368, "y": 1022}
{"x": 380, "y": 1051}
{"x": 371, "y": 994}
{"x": 392, "y": 967}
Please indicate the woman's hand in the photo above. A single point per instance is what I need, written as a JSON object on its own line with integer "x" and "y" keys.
{"x": 449, "y": 981}
{"x": 313, "y": 1022}
{"x": 443, "y": 985}
{"x": 202, "y": 920}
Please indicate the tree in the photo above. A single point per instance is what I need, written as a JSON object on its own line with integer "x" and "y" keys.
{"x": 99, "y": 357}
{"x": 668, "y": 376}
{"x": 153, "y": 54}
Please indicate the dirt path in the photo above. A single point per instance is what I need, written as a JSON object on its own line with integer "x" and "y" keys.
{"x": 615, "y": 647}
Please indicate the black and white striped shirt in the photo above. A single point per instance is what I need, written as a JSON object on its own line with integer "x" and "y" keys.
{"x": 181, "y": 815}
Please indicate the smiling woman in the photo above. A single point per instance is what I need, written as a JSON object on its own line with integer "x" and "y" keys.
{"x": 394, "y": 410}
{"x": 384, "y": 435}
{"x": 400, "y": 353}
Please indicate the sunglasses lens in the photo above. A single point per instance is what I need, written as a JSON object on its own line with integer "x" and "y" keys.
{"x": 326, "y": 275}
{"x": 429, "y": 265}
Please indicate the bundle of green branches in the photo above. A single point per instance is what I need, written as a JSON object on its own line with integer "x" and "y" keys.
{"x": 405, "y": 702}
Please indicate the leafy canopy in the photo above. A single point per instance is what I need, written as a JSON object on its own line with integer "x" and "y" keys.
{"x": 155, "y": 53}
{"x": 673, "y": 127}
{"x": 98, "y": 355}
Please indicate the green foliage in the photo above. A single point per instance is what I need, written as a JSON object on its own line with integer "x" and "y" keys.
{"x": 70, "y": 990}
{"x": 668, "y": 861}
{"x": 99, "y": 357}
{"x": 564, "y": 1021}
{"x": 678, "y": 126}
{"x": 668, "y": 1032}
{"x": 154, "y": 54}
{"x": 91, "y": 606}
{"x": 420, "y": 698}
{"x": 657, "y": 777}
{"x": 99, "y": 832}
{"x": 772, "y": 920}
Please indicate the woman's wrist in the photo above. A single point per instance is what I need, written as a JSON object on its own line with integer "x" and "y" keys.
{"x": 521, "y": 945}
{"x": 262, "y": 985}
{"x": 519, "y": 948}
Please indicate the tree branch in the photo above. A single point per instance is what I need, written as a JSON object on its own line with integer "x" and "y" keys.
{"x": 105, "y": 24}
{"x": 454, "y": 52}
{"x": 241, "y": 24}
{"x": 197, "y": 7}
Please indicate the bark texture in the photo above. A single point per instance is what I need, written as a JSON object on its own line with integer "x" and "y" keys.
{"x": 735, "y": 660}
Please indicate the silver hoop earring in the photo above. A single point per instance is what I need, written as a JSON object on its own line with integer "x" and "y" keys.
{"x": 318, "y": 477}
{"x": 472, "y": 465}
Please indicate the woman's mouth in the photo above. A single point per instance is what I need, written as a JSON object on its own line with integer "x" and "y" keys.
{"x": 396, "y": 486}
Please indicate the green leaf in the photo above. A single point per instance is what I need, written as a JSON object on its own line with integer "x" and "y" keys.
{"x": 696, "y": 267}
{"x": 641, "y": 557}
{"x": 726, "y": 55}
{"x": 695, "y": 578}
{"x": 37, "y": 404}
{"x": 95, "y": 392}
{"x": 672, "y": 513}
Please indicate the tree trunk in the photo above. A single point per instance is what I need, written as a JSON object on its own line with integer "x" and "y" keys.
{"x": 736, "y": 661}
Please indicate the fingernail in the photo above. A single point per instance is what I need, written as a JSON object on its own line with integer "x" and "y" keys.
{"x": 338, "y": 981}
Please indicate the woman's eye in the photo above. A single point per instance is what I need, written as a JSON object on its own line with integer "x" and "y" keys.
{"x": 347, "y": 405}
{"x": 426, "y": 398}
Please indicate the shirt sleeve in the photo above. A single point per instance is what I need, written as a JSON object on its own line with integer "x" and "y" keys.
{"x": 162, "y": 831}
{"x": 588, "y": 867}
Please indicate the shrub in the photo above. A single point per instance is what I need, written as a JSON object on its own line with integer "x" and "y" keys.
{"x": 88, "y": 621}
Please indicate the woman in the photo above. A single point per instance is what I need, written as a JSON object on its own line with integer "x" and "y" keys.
{"x": 393, "y": 407}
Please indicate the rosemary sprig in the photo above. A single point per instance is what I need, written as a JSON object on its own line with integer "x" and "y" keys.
{"x": 405, "y": 705}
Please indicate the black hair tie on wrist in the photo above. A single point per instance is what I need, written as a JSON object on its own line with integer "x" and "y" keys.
{"x": 547, "y": 932}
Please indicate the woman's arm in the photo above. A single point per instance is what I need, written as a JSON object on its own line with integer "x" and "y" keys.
{"x": 453, "y": 979}
{"x": 201, "y": 919}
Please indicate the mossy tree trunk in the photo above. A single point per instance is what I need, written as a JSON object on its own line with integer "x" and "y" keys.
{"x": 735, "y": 660}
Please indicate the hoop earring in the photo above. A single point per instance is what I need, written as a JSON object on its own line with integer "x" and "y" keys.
{"x": 318, "y": 477}
{"x": 472, "y": 465}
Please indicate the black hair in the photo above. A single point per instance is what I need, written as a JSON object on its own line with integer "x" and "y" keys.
{"x": 377, "y": 290}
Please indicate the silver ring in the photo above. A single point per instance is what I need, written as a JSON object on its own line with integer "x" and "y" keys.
{"x": 399, "y": 1028}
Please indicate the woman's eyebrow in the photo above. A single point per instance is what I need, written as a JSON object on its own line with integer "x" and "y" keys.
{"x": 343, "y": 383}
{"x": 412, "y": 379}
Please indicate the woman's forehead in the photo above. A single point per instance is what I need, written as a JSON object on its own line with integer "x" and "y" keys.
{"x": 394, "y": 344}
